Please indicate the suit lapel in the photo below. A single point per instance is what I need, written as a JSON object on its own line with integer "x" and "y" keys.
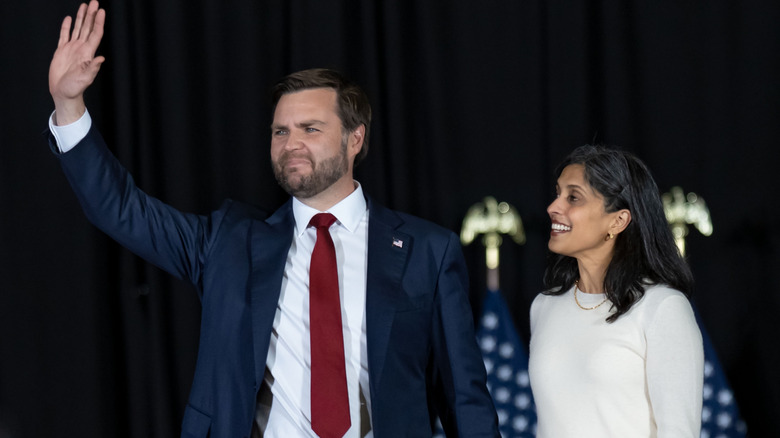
{"x": 388, "y": 250}
{"x": 270, "y": 242}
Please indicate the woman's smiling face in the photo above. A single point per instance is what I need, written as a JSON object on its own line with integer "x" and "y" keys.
{"x": 580, "y": 223}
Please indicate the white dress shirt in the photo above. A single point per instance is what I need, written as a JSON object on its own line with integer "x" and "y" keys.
{"x": 288, "y": 372}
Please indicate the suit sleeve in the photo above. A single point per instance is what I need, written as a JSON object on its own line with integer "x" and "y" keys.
{"x": 461, "y": 377}
{"x": 164, "y": 236}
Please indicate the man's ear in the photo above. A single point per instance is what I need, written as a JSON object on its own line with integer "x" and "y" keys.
{"x": 356, "y": 137}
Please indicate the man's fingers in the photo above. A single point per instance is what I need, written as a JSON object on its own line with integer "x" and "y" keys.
{"x": 88, "y": 25}
{"x": 97, "y": 29}
{"x": 89, "y": 20}
{"x": 79, "y": 21}
{"x": 64, "y": 32}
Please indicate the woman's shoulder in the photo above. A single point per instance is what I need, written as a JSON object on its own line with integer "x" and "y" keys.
{"x": 658, "y": 293}
{"x": 661, "y": 299}
{"x": 546, "y": 298}
{"x": 552, "y": 294}
{"x": 545, "y": 304}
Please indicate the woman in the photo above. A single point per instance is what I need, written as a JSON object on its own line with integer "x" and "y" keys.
{"x": 615, "y": 349}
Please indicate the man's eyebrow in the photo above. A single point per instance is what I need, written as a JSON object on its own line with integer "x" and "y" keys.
{"x": 311, "y": 122}
{"x": 304, "y": 123}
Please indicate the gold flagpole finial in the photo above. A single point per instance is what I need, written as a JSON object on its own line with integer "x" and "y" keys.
{"x": 683, "y": 210}
{"x": 492, "y": 219}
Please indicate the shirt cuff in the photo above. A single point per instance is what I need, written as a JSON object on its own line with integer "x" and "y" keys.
{"x": 69, "y": 136}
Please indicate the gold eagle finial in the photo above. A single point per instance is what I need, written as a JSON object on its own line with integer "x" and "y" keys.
{"x": 683, "y": 210}
{"x": 492, "y": 219}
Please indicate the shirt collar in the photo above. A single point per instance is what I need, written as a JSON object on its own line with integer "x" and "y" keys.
{"x": 349, "y": 211}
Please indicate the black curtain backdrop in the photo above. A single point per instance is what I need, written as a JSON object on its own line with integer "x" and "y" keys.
{"x": 470, "y": 99}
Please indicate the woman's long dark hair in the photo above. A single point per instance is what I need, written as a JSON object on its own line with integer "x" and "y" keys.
{"x": 645, "y": 252}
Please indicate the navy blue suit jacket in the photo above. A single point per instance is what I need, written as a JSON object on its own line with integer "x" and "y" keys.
{"x": 422, "y": 355}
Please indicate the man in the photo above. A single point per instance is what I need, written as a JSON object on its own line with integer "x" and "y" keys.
{"x": 398, "y": 345}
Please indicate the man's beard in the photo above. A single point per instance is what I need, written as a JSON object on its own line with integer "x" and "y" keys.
{"x": 322, "y": 176}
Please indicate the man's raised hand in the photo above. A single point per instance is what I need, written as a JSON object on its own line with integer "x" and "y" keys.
{"x": 74, "y": 65}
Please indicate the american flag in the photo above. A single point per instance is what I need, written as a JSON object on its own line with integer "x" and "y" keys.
{"x": 506, "y": 362}
{"x": 719, "y": 414}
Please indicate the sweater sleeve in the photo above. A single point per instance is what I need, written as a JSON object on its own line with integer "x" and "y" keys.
{"x": 675, "y": 367}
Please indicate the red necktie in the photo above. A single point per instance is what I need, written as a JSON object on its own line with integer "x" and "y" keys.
{"x": 329, "y": 402}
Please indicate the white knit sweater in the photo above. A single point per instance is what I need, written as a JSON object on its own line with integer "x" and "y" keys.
{"x": 640, "y": 376}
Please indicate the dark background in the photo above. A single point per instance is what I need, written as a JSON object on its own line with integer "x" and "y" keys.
{"x": 470, "y": 99}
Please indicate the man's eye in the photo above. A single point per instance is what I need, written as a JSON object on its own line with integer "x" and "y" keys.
{"x": 311, "y": 129}
{"x": 280, "y": 132}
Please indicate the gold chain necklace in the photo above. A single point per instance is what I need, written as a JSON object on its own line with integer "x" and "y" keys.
{"x": 576, "y": 283}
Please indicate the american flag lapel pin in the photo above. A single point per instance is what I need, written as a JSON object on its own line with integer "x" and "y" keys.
{"x": 398, "y": 243}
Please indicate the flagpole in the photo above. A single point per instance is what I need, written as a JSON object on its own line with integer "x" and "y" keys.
{"x": 504, "y": 354}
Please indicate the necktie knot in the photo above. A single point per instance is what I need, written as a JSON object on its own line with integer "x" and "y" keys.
{"x": 322, "y": 220}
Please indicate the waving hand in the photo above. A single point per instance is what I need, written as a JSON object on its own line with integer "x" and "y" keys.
{"x": 74, "y": 65}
